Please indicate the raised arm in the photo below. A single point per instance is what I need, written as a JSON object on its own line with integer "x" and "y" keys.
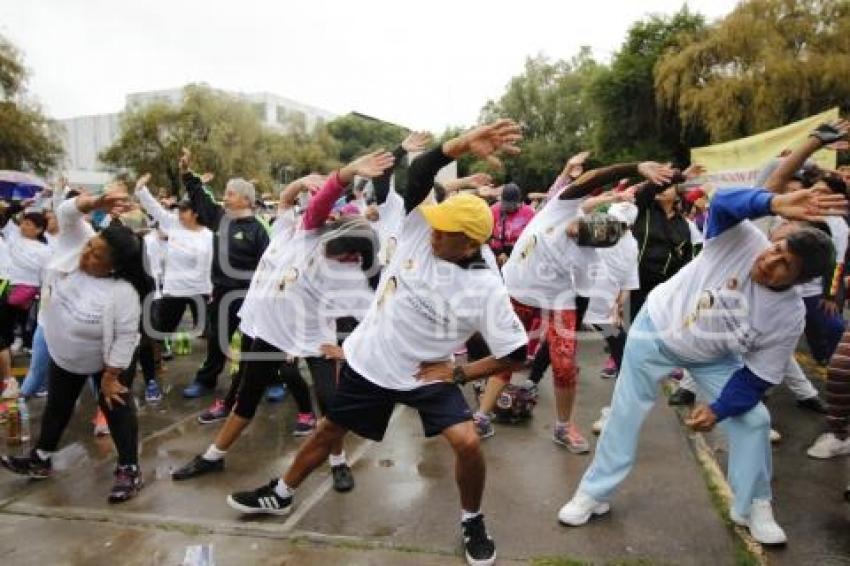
{"x": 597, "y": 178}
{"x": 370, "y": 165}
{"x": 167, "y": 220}
{"x": 823, "y": 135}
{"x": 415, "y": 142}
{"x": 209, "y": 211}
{"x": 484, "y": 141}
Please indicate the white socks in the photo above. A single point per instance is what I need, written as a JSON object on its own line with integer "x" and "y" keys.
{"x": 213, "y": 454}
{"x": 282, "y": 490}
{"x": 467, "y": 515}
{"x": 335, "y": 460}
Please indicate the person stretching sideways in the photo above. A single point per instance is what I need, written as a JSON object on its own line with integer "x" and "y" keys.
{"x": 435, "y": 293}
{"x": 732, "y": 317}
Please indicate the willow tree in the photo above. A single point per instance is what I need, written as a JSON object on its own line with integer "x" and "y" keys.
{"x": 767, "y": 63}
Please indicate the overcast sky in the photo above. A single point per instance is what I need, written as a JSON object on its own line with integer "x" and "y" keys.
{"x": 425, "y": 64}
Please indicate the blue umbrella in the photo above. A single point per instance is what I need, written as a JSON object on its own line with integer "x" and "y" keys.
{"x": 15, "y": 185}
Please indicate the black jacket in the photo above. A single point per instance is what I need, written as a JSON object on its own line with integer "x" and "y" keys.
{"x": 243, "y": 239}
{"x": 664, "y": 244}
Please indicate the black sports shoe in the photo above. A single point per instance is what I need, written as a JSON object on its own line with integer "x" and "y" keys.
{"x": 197, "y": 467}
{"x": 681, "y": 398}
{"x": 812, "y": 404}
{"x": 128, "y": 482}
{"x": 480, "y": 548}
{"x": 31, "y": 466}
{"x": 343, "y": 478}
{"x": 262, "y": 500}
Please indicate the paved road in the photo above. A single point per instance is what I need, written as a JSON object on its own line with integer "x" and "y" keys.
{"x": 404, "y": 509}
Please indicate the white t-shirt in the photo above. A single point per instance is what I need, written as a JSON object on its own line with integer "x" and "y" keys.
{"x": 89, "y": 322}
{"x": 155, "y": 248}
{"x": 618, "y": 272}
{"x": 297, "y": 293}
{"x": 282, "y": 231}
{"x": 188, "y": 255}
{"x": 544, "y": 263}
{"x": 839, "y": 232}
{"x": 5, "y": 259}
{"x": 28, "y": 257}
{"x": 389, "y": 226}
{"x": 711, "y": 309}
{"x": 425, "y": 308}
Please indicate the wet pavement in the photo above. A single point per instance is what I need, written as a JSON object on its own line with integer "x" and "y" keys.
{"x": 404, "y": 509}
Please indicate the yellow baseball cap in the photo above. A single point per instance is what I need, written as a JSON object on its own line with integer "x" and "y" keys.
{"x": 461, "y": 213}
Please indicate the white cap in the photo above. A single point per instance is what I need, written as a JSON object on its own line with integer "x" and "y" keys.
{"x": 624, "y": 212}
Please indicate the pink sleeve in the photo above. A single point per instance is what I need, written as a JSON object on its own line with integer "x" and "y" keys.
{"x": 322, "y": 203}
{"x": 560, "y": 183}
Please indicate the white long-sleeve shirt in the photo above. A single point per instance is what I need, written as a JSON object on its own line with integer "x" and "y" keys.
{"x": 188, "y": 255}
{"x": 27, "y": 257}
{"x": 89, "y": 322}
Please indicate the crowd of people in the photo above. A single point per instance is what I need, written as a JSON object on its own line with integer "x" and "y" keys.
{"x": 381, "y": 294}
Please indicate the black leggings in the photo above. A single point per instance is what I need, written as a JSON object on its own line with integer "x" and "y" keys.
{"x": 145, "y": 355}
{"x": 168, "y": 311}
{"x": 255, "y": 375}
{"x": 63, "y": 388}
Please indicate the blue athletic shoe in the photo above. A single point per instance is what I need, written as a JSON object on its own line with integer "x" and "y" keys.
{"x": 276, "y": 393}
{"x": 196, "y": 390}
{"x": 153, "y": 394}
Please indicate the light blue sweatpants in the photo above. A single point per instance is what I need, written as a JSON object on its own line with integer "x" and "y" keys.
{"x": 645, "y": 363}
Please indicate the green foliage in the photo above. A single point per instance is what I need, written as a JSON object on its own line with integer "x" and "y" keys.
{"x": 550, "y": 100}
{"x": 358, "y": 135}
{"x": 628, "y": 125}
{"x": 28, "y": 139}
{"x": 225, "y": 136}
{"x": 768, "y": 63}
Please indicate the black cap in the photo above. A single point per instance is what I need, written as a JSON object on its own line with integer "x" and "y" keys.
{"x": 511, "y": 193}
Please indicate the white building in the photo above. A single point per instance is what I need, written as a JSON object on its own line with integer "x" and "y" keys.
{"x": 86, "y": 136}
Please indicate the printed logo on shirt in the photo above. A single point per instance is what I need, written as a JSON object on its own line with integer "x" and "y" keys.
{"x": 289, "y": 277}
{"x": 389, "y": 291}
{"x": 529, "y": 247}
{"x": 239, "y": 236}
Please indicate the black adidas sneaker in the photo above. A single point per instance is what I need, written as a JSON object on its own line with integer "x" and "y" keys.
{"x": 480, "y": 548}
{"x": 262, "y": 500}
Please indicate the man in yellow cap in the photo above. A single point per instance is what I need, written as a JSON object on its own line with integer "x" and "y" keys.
{"x": 435, "y": 293}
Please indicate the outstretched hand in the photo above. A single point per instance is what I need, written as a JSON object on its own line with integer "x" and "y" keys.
{"x": 694, "y": 171}
{"x": 813, "y": 205}
{"x": 185, "y": 159}
{"x": 833, "y": 132}
{"x": 370, "y": 165}
{"x": 143, "y": 181}
{"x": 658, "y": 173}
{"x": 486, "y": 141}
{"x": 416, "y": 141}
{"x": 701, "y": 419}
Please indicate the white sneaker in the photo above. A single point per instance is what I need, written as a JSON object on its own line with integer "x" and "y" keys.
{"x": 600, "y": 422}
{"x": 580, "y": 509}
{"x": 763, "y": 527}
{"x": 829, "y": 446}
{"x": 775, "y": 436}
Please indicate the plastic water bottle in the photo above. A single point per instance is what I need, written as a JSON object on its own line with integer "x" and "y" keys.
{"x": 24, "y": 415}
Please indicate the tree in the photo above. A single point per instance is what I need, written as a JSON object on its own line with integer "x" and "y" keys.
{"x": 225, "y": 135}
{"x": 359, "y": 134}
{"x": 28, "y": 139}
{"x": 549, "y": 99}
{"x": 768, "y": 63}
{"x": 628, "y": 124}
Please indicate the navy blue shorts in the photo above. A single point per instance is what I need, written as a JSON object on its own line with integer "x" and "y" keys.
{"x": 365, "y": 408}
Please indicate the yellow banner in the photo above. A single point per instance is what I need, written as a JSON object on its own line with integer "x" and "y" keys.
{"x": 738, "y": 162}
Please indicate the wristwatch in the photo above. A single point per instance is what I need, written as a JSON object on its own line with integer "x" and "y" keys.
{"x": 458, "y": 376}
